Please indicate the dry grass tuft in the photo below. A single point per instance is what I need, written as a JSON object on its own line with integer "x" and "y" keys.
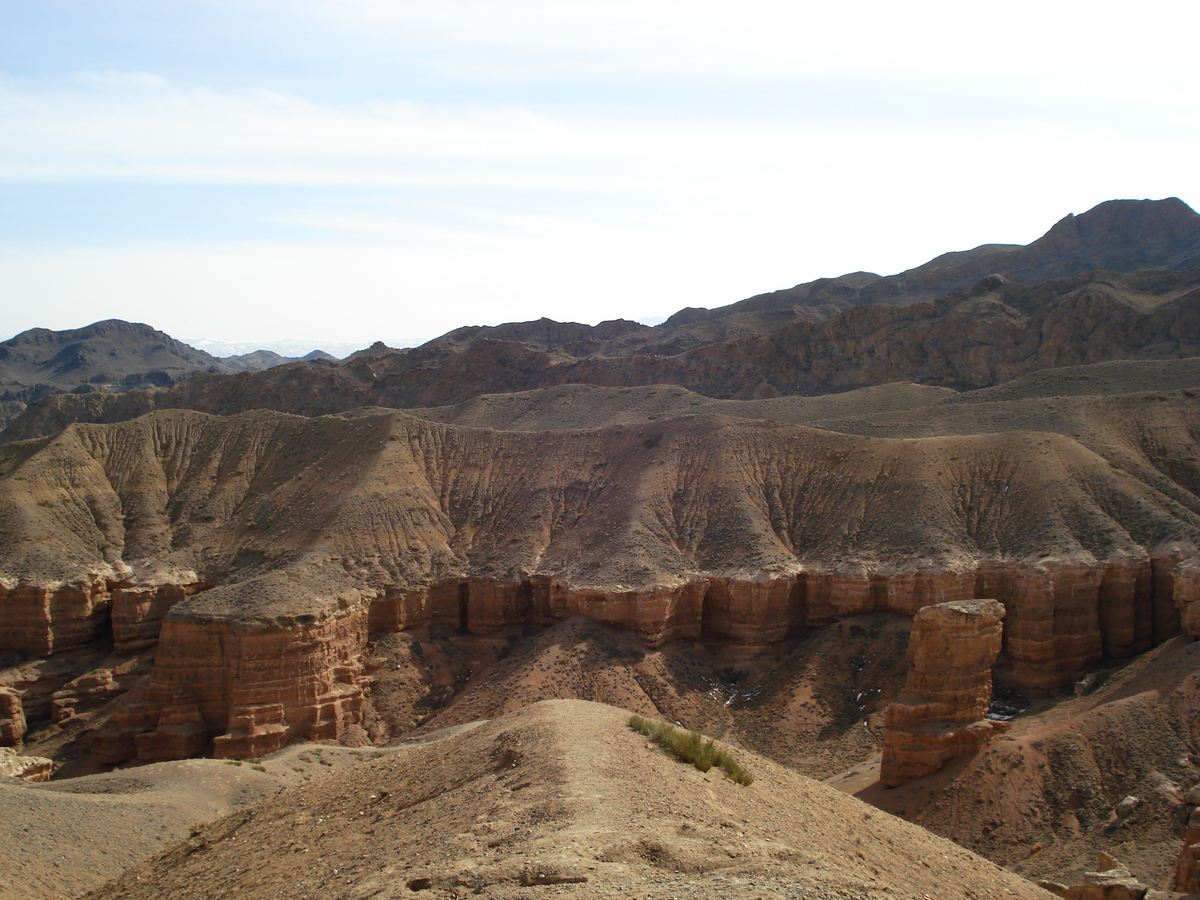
{"x": 692, "y": 747}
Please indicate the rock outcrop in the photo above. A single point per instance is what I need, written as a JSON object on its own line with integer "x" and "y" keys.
{"x": 96, "y": 688}
{"x": 27, "y": 768}
{"x": 247, "y": 685}
{"x": 12, "y": 718}
{"x": 138, "y": 611}
{"x": 1187, "y": 866}
{"x": 942, "y": 712}
{"x": 41, "y": 620}
{"x": 1110, "y": 881}
{"x": 44, "y": 619}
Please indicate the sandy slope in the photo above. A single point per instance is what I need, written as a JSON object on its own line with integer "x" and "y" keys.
{"x": 562, "y": 799}
{"x": 62, "y": 838}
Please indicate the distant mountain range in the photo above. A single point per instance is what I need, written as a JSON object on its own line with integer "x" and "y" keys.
{"x": 290, "y": 349}
{"x": 1121, "y": 281}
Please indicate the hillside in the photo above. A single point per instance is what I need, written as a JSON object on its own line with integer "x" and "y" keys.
{"x": 1119, "y": 236}
{"x": 109, "y": 355}
{"x": 111, "y": 359}
{"x": 564, "y": 798}
{"x": 184, "y": 527}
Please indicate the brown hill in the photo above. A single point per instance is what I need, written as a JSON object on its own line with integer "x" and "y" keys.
{"x": 562, "y": 797}
{"x": 107, "y": 355}
{"x": 115, "y": 366}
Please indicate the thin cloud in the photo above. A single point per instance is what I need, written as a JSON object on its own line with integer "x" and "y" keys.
{"x": 518, "y": 158}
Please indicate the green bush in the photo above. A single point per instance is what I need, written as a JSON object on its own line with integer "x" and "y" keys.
{"x": 692, "y": 747}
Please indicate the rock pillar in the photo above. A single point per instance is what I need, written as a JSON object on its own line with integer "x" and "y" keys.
{"x": 942, "y": 711}
{"x": 12, "y": 718}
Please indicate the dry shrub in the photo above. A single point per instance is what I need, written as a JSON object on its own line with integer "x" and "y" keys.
{"x": 692, "y": 747}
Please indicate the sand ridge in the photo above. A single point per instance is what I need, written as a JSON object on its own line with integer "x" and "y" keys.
{"x": 563, "y": 797}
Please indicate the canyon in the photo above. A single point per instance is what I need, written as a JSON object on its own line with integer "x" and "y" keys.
{"x": 259, "y": 551}
{"x": 738, "y": 520}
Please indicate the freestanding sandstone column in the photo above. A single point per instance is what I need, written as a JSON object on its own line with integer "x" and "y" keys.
{"x": 1187, "y": 865}
{"x": 942, "y": 711}
{"x": 12, "y": 718}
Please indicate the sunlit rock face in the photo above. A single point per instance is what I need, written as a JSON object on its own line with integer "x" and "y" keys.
{"x": 245, "y": 690}
{"x": 255, "y": 553}
{"x": 12, "y": 718}
{"x": 40, "y": 620}
{"x": 942, "y": 712}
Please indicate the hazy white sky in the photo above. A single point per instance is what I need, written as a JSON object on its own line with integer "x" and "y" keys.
{"x": 353, "y": 170}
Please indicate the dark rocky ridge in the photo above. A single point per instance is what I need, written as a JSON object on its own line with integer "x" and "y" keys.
{"x": 1117, "y": 236}
{"x": 992, "y": 334}
{"x": 1123, "y": 283}
{"x": 110, "y": 357}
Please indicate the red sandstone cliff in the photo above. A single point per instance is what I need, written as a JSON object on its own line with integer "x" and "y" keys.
{"x": 315, "y": 531}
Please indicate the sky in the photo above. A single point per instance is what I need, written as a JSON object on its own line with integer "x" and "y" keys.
{"x": 345, "y": 171}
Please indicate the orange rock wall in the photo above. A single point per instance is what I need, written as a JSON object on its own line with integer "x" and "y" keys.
{"x": 138, "y": 611}
{"x": 210, "y": 677}
{"x": 1187, "y": 865}
{"x": 41, "y": 621}
{"x": 1061, "y": 619}
{"x": 250, "y": 691}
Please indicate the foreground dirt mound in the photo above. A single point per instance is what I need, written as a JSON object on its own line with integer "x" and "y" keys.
{"x": 60, "y": 839}
{"x": 564, "y": 799}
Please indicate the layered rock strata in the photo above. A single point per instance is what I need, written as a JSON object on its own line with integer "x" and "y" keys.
{"x": 696, "y": 528}
{"x": 1187, "y": 866}
{"x": 249, "y": 687}
{"x": 12, "y": 718}
{"x": 1062, "y": 618}
{"x": 248, "y": 695}
{"x": 138, "y": 611}
{"x": 96, "y": 688}
{"x": 942, "y": 712}
{"x": 41, "y": 620}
